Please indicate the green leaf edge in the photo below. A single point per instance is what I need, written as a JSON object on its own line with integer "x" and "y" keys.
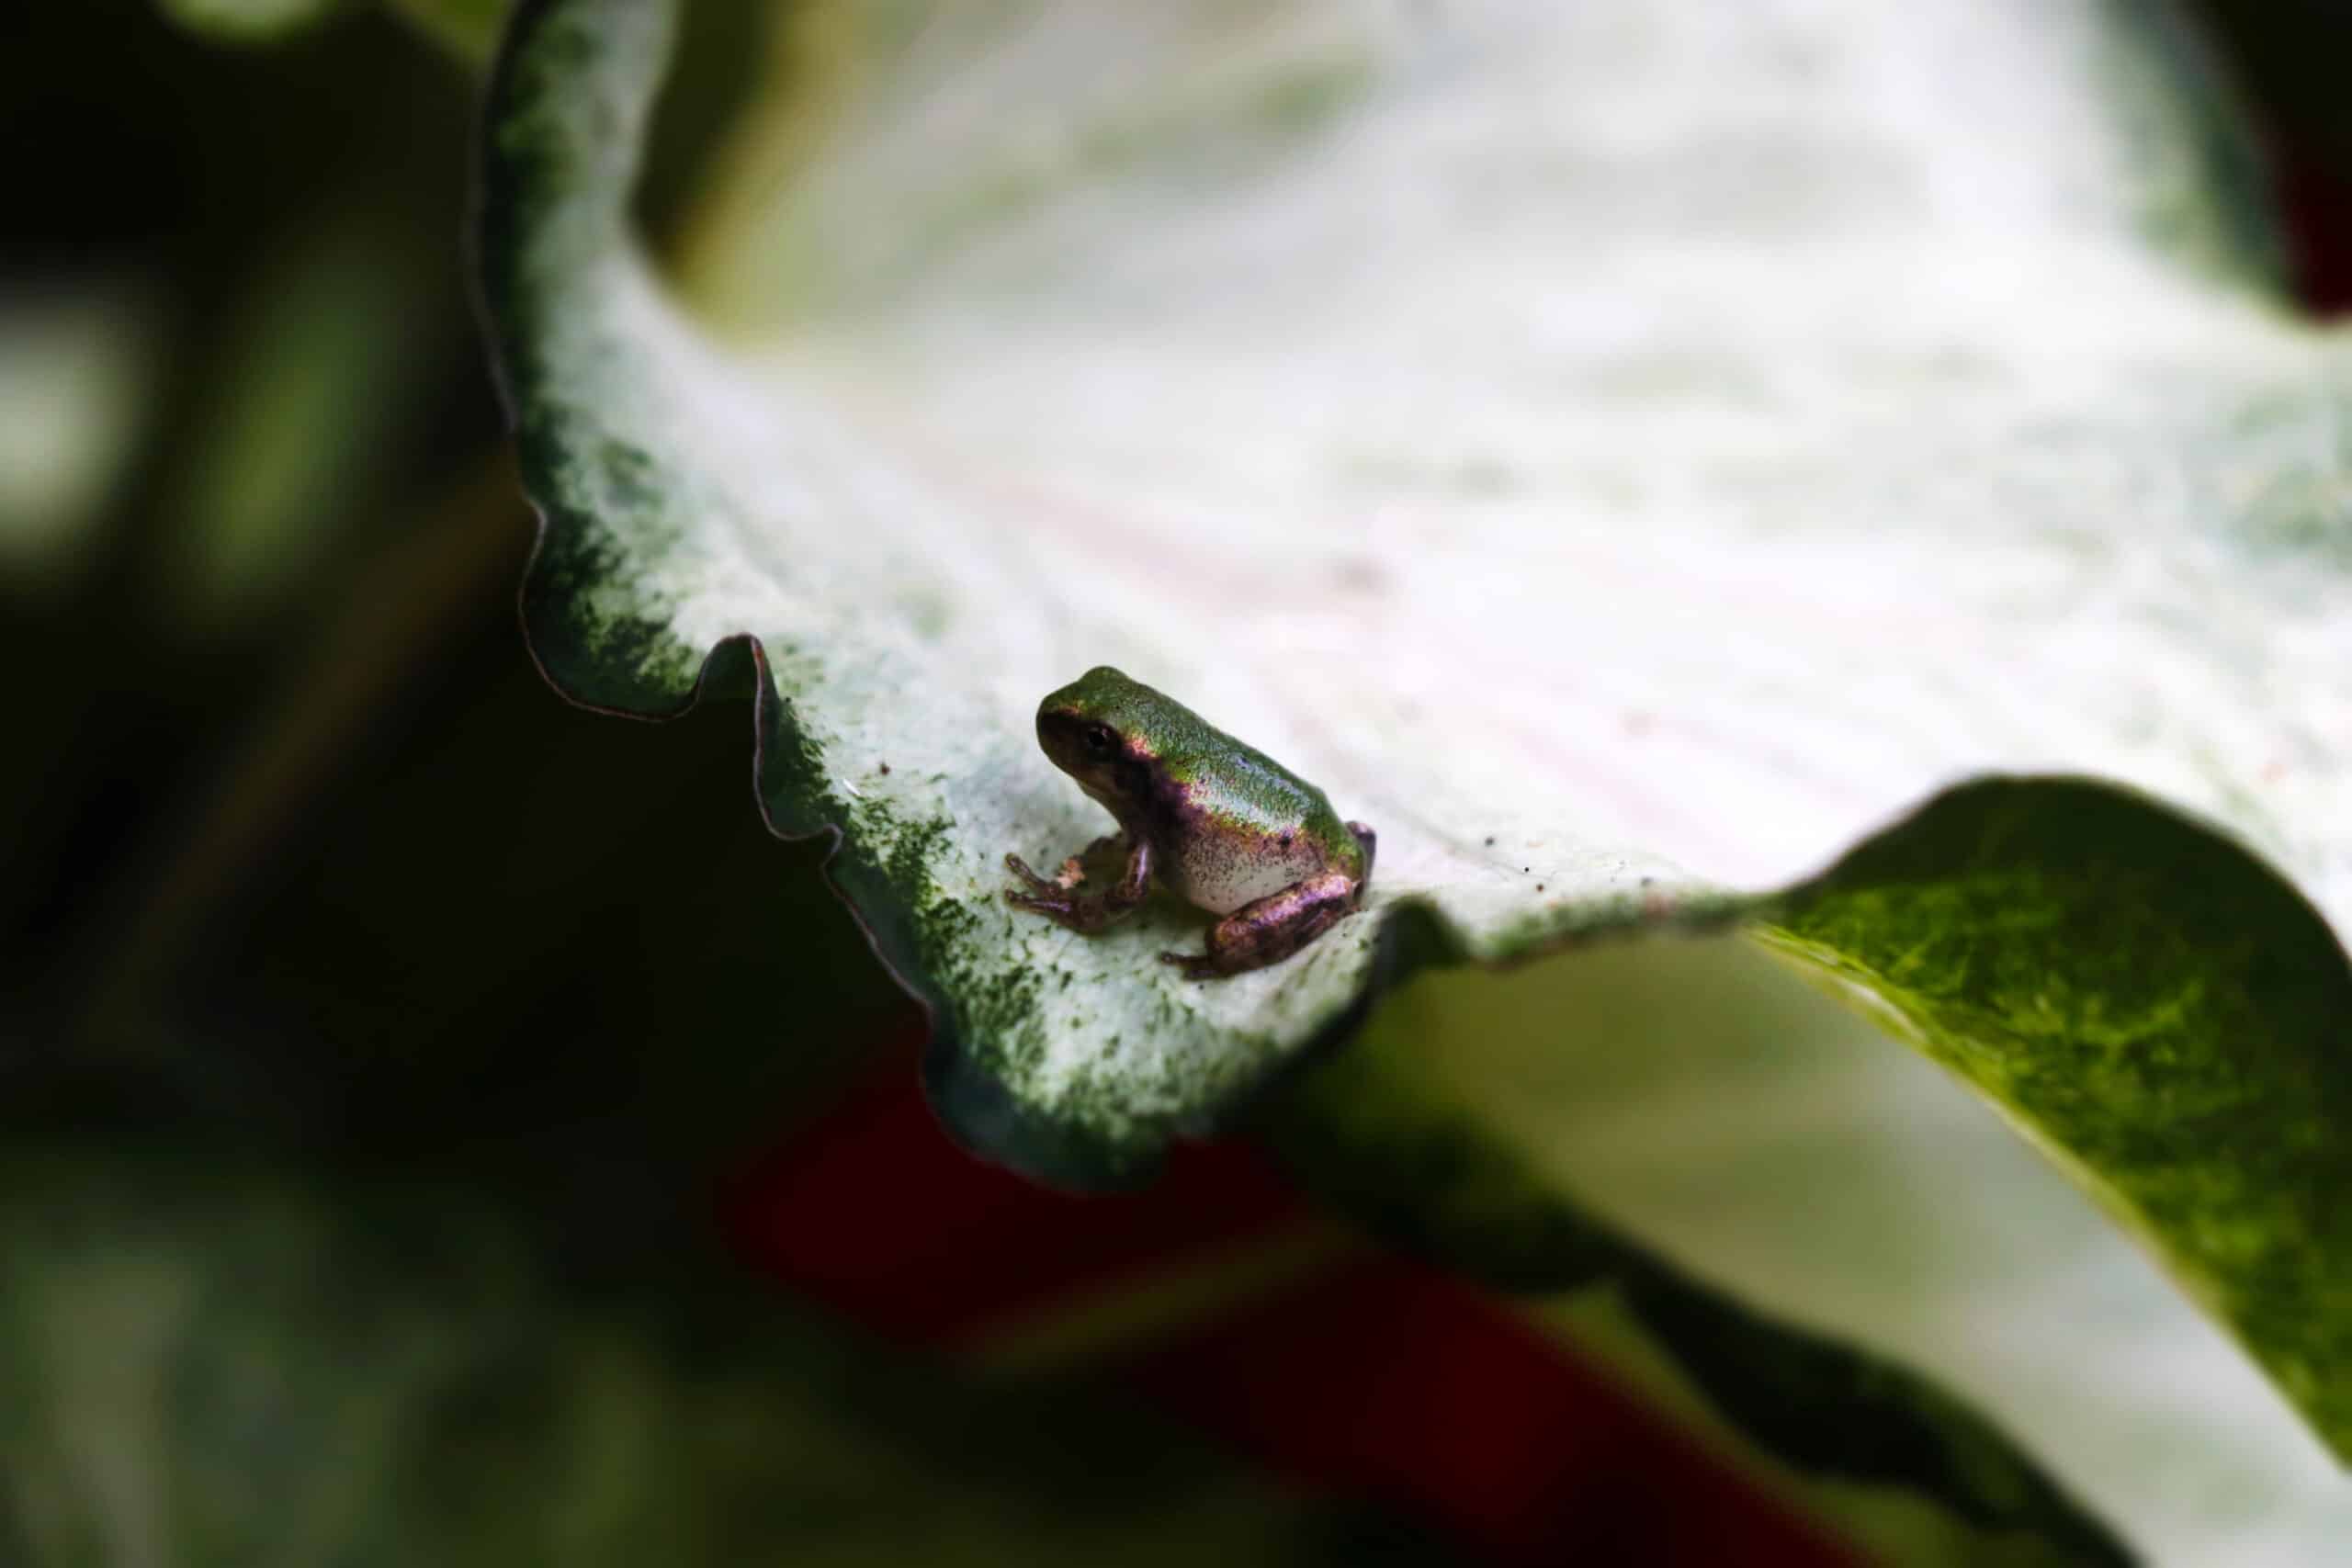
{"x": 2233, "y": 1168}
{"x": 633, "y": 667}
{"x": 1358, "y": 1135}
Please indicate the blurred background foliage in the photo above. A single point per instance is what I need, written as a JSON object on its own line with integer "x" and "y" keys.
{"x": 375, "y": 1029}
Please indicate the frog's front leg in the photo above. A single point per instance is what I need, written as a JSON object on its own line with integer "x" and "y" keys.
{"x": 1073, "y": 870}
{"x": 1058, "y": 897}
{"x": 1272, "y": 927}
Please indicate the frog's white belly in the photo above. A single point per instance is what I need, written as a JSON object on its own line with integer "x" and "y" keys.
{"x": 1221, "y": 877}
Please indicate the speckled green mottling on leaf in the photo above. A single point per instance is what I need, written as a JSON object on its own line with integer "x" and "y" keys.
{"x": 2164, "y": 1009}
{"x": 1626, "y": 455}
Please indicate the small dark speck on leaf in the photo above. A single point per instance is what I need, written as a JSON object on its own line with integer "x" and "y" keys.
{"x": 1523, "y": 870}
{"x": 1539, "y": 887}
{"x": 885, "y": 769}
{"x": 1491, "y": 840}
{"x": 1647, "y": 880}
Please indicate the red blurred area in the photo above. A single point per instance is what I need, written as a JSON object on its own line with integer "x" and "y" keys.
{"x": 1371, "y": 1376}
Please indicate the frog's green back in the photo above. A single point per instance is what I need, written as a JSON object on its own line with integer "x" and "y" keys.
{"x": 1224, "y": 776}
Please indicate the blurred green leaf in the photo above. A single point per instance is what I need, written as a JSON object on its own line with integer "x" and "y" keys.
{"x": 77, "y": 374}
{"x": 219, "y": 1364}
{"x": 315, "y": 384}
{"x": 1622, "y": 455}
{"x": 467, "y": 28}
{"x": 249, "y": 21}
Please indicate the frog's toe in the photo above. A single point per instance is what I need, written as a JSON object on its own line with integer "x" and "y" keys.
{"x": 1036, "y": 884}
{"x": 1197, "y": 965}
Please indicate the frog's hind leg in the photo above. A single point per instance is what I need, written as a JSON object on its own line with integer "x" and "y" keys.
{"x": 1058, "y": 899}
{"x": 1272, "y": 929}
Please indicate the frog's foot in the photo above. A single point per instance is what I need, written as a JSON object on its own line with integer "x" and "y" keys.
{"x": 1272, "y": 929}
{"x": 1039, "y": 884}
{"x": 1197, "y": 965}
{"x": 1058, "y": 897}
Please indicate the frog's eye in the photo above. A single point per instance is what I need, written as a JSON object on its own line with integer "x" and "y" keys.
{"x": 1100, "y": 742}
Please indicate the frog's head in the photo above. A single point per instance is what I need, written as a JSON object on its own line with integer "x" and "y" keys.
{"x": 1100, "y": 729}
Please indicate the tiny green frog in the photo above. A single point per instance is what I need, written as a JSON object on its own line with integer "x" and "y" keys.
{"x": 1221, "y": 825}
